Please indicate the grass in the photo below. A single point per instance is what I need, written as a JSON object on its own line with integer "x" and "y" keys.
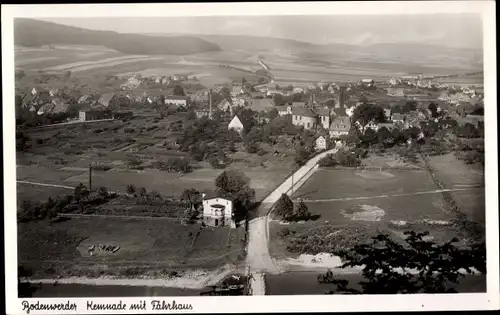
{"x": 331, "y": 183}
{"x": 39, "y": 193}
{"x": 149, "y": 244}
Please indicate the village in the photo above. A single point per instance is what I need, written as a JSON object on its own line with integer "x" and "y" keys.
{"x": 278, "y": 129}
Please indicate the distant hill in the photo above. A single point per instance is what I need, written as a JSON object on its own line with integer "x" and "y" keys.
{"x": 34, "y": 33}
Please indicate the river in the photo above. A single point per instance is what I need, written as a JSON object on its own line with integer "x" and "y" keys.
{"x": 295, "y": 283}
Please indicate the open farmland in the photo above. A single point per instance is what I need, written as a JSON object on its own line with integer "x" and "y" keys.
{"x": 156, "y": 244}
{"x": 352, "y": 204}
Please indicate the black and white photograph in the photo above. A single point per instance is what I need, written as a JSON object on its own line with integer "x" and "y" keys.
{"x": 326, "y": 153}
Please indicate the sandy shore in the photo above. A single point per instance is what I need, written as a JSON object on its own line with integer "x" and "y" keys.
{"x": 195, "y": 279}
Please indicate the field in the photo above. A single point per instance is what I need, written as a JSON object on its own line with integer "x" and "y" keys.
{"x": 352, "y": 205}
{"x": 62, "y": 155}
{"x": 156, "y": 244}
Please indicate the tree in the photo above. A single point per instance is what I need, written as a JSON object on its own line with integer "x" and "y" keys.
{"x": 347, "y": 158}
{"x": 131, "y": 189}
{"x": 178, "y": 90}
{"x": 385, "y": 137}
{"x": 192, "y": 196}
{"x": 302, "y": 210}
{"x": 284, "y": 207}
{"x": 302, "y": 156}
{"x": 365, "y": 113}
{"x": 235, "y": 186}
{"x": 103, "y": 192}
{"x": 409, "y": 106}
{"x": 434, "y": 109}
{"x": 278, "y": 99}
{"x": 369, "y": 137}
{"x": 417, "y": 266}
{"x": 81, "y": 191}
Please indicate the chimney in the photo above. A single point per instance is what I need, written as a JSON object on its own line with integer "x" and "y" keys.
{"x": 210, "y": 104}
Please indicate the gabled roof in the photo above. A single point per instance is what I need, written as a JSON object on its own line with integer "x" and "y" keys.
{"x": 244, "y": 122}
{"x": 322, "y": 112}
{"x": 343, "y": 123}
{"x": 177, "y": 97}
{"x": 106, "y": 98}
{"x": 298, "y": 104}
{"x": 301, "y": 111}
{"x": 212, "y": 194}
{"x": 46, "y": 108}
{"x": 84, "y": 98}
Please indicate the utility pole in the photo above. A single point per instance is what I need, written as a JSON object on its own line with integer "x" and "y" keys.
{"x": 90, "y": 177}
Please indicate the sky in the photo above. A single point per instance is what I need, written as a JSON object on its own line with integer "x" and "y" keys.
{"x": 451, "y": 30}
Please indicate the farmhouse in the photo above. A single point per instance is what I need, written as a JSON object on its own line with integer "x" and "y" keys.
{"x": 238, "y": 123}
{"x": 320, "y": 143}
{"x": 106, "y": 98}
{"x": 177, "y": 100}
{"x": 323, "y": 117}
{"x": 304, "y": 117}
{"x": 94, "y": 114}
{"x": 340, "y": 126}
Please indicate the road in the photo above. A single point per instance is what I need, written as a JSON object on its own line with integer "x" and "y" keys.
{"x": 258, "y": 258}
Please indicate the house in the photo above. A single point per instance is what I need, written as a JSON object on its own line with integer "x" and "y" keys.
{"x": 132, "y": 82}
{"x": 271, "y": 92}
{"x": 397, "y": 117}
{"x": 320, "y": 143}
{"x": 54, "y": 92}
{"x": 394, "y": 81}
{"x": 239, "y": 101}
{"x": 165, "y": 81}
{"x": 34, "y": 91}
{"x": 284, "y": 110}
{"x": 257, "y": 94}
{"x": 261, "y": 104}
{"x": 298, "y": 104}
{"x": 395, "y": 92}
{"x": 123, "y": 115}
{"x": 32, "y": 109}
{"x": 298, "y": 90}
{"x": 323, "y": 117}
{"x": 106, "y": 98}
{"x": 217, "y": 211}
{"x": 368, "y": 82}
{"x": 202, "y": 112}
{"x": 224, "y": 105}
{"x": 305, "y": 117}
{"x": 388, "y": 126}
{"x": 94, "y": 114}
{"x": 179, "y": 77}
{"x": 387, "y": 113}
{"x": 238, "y": 123}
{"x": 84, "y": 98}
{"x": 59, "y": 106}
{"x": 177, "y": 100}
{"x": 45, "y": 109}
{"x": 340, "y": 126}
{"x": 236, "y": 90}
{"x": 371, "y": 125}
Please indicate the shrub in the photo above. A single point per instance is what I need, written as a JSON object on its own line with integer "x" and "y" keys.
{"x": 328, "y": 161}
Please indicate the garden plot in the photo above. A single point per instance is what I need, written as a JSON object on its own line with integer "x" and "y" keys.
{"x": 141, "y": 242}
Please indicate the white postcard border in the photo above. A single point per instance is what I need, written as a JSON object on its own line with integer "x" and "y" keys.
{"x": 464, "y": 301}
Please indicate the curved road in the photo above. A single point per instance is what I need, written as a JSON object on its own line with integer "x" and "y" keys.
{"x": 258, "y": 258}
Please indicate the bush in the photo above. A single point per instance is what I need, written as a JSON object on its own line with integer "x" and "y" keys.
{"x": 328, "y": 161}
{"x": 347, "y": 158}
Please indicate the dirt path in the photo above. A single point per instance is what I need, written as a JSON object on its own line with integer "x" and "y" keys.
{"x": 43, "y": 184}
{"x": 258, "y": 257}
{"x": 437, "y": 191}
{"x": 198, "y": 279}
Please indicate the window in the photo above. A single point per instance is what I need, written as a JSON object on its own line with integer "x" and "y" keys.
{"x": 307, "y": 125}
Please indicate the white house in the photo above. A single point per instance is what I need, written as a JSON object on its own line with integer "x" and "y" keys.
{"x": 304, "y": 117}
{"x": 323, "y": 117}
{"x": 34, "y": 91}
{"x": 218, "y": 211}
{"x": 320, "y": 143}
{"x": 177, "y": 100}
{"x": 238, "y": 124}
{"x": 371, "y": 125}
